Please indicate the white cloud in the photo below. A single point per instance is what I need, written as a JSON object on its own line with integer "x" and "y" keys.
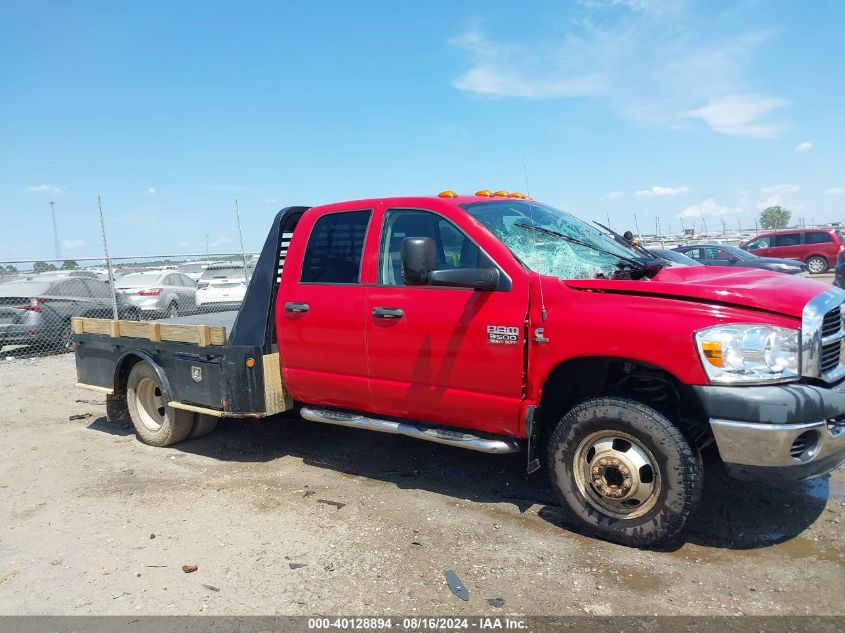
{"x": 500, "y": 70}
{"x": 835, "y": 191}
{"x": 613, "y": 195}
{"x": 72, "y": 245}
{"x": 803, "y": 146}
{"x": 649, "y": 60}
{"x": 705, "y": 208}
{"x": 151, "y": 191}
{"x": 45, "y": 189}
{"x": 774, "y": 194}
{"x": 740, "y": 115}
{"x": 184, "y": 244}
{"x": 779, "y": 189}
{"x": 659, "y": 192}
{"x": 219, "y": 241}
{"x": 270, "y": 200}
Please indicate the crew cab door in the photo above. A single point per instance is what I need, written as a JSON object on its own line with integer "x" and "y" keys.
{"x": 448, "y": 355}
{"x": 321, "y": 311}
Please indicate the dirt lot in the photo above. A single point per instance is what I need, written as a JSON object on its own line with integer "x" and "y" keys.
{"x": 80, "y": 502}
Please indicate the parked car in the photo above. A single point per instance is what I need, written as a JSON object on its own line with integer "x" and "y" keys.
{"x": 159, "y": 293}
{"x": 817, "y": 248}
{"x": 222, "y": 284}
{"x": 839, "y": 271}
{"x": 725, "y": 255}
{"x": 499, "y": 324}
{"x": 39, "y": 312}
{"x": 194, "y": 270}
{"x": 63, "y": 274}
{"x": 675, "y": 257}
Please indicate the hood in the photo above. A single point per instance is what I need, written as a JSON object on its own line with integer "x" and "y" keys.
{"x": 778, "y": 260}
{"x": 746, "y": 287}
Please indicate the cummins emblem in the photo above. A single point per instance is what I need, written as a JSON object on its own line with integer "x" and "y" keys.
{"x": 196, "y": 373}
{"x": 502, "y": 334}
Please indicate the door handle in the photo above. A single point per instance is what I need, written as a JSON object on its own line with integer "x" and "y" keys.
{"x": 295, "y": 306}
{"x": 388, "y": 313}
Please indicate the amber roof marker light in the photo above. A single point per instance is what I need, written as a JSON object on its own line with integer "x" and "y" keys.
{"x": 447, "y": 194}
{"x": 484, "y": 193}
{"x": 501, "y": 194}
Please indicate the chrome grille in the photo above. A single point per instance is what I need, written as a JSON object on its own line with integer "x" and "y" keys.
{"x": 831, "y": 350}
{"x": 823, "y": 336}
{"x": 832, "y": 322}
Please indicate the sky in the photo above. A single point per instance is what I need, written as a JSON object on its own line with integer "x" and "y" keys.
{"x": 689, "y": 112}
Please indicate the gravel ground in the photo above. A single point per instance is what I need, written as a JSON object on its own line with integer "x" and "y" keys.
{"x": 94, "y": 522}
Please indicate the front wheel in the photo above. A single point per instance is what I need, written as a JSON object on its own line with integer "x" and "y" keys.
{"x": 817, "y": 265}
{"x": 624, "y": 471}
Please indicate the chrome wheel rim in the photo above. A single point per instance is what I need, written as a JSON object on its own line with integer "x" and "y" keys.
{"x": 815, "y": 265}
{"x": 616, "y": 474}
{"x": 150, "y": 400}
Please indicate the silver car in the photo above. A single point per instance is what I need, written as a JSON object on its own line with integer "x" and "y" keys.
{"x": 159, "y": 293}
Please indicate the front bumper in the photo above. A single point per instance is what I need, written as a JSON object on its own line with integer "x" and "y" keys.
{"x": 778, "y": 432}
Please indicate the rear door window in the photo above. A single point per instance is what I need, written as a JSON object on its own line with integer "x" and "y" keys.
{"x": 817, "y": 237}
{"x": 335, "y": 248}
{"x": 75, "y": 288}
{"x": 695, "y": 253}
{"x": 98, "y": 289}
{"x": 786, "y": 239}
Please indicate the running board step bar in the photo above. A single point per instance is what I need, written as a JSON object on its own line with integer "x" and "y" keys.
{"x": 420, "y": 432}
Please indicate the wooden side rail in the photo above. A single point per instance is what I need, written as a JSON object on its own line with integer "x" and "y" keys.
{"x": 201, "y": 335}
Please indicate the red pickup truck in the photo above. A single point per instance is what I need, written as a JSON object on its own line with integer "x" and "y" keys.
{"x": 496, "y": 323}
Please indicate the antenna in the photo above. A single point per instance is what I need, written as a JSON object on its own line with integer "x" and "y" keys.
{"x": 543, "y": 312}
{"x": 241, "y": 234}
{"x": 108, "y": 261}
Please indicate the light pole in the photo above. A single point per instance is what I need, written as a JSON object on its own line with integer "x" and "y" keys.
{"x": 56, "y": 249}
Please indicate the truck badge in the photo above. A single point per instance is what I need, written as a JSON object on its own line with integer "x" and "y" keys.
{"x": 502, "y": 335}
{"x": 196, "y": 373}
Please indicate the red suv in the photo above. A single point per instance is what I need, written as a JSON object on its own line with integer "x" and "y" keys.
{"x": 817, "y": 248}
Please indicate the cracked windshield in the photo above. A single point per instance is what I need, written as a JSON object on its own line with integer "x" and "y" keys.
{"x": 528, "y": 230}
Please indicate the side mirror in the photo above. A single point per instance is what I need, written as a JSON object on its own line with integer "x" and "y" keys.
{"x": 418, "y": 260}
{"x": 475, "y": 278}
{"x": 733, "y": 260}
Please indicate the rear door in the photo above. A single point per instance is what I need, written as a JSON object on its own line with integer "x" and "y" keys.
{"x": 788, "y": 245}
{"x": 320, "y": 311}
{"x": 820, "y": 243}
{"x": 448, "y": 355}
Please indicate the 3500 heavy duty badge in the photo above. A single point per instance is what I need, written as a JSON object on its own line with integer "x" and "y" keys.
{"x": 502, "y": 334}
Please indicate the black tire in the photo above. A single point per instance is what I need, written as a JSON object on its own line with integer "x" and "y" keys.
{"x": 203, "y": 424}
{"x": 818, "y": 263}
{"x": 155, "y": 423}
{"x": 674, "y": 468}
{"x": 65, "y": 340}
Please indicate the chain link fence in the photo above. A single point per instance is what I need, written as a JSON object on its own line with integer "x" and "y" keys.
{"x": 38, "y": 299}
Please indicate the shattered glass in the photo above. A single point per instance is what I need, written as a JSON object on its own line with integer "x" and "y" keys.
{"x": 548, "y": 254}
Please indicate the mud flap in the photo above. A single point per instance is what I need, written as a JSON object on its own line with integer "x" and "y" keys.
{"x": 532, "y": 432}
{"x": 116, "y": 408}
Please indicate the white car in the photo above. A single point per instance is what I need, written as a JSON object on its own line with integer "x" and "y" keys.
{"x": 159, "y": 292}
{"x": 195, "y": 269}
{"x": 223, "y": 284}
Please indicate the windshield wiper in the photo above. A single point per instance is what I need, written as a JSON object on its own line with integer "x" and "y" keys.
{"x": 621, "y": 240}
{"x": 574, "y": 240}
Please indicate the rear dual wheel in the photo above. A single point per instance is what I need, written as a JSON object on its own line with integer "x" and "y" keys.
{"x": 624, "y": 471}
{"x": 156, "y": 423}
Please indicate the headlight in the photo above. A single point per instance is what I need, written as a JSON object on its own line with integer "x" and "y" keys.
{"x": 749, "y": 353}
